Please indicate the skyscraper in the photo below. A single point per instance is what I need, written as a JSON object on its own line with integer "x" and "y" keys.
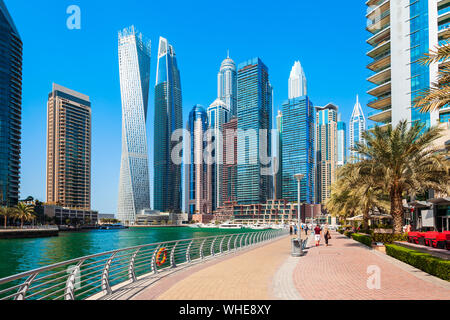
{"x": 229, "y": 173}
{"x": 68, "y": 148}
{"x": 254, "y": 144}
{"x": 401, "y": 32}
{"x": 218, "y": 115}
{"x": 134, "y": 68}
{"x": 326, "y": 150}
{"x": 227, "y": 85}
{"x": 297, "y": 82}
{"x": 168, "y": 118}
{"x": 357, "y": 127}
{"x": 10, "y": 108}
{"x": 278, "y": 177}
{"x": 342, "y": 142}
{"x": 298, "y": 149}
{"x": 199, "y": 192}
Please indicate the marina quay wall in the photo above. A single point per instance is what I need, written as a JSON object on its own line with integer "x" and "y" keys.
{"x": 28, "y": 233}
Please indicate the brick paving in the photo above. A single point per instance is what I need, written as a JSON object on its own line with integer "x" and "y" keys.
{"x": 337, "y": 272}
{"x": 340, "y": 272}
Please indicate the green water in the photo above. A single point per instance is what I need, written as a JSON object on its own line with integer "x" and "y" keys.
{"x": 20, "y": 255}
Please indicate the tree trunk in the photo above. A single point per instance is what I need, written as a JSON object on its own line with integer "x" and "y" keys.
{"x": 366, "y": 220}
{"x": 397, "y": 209}
{"x": 5, "y": 221}
{"x": 21, "y": 223}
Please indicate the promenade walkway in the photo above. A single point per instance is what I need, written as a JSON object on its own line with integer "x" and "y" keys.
{"x": 338, "y": 272}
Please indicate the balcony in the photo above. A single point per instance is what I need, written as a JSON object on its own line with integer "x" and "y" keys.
{"x": 379, "y": 8}
{"x": 381, "y": 102}
{"x": 380, "y": 37}
{"x": 384, "y": 116}
{"x": 380, "y": 23}
{"x": 380, "y": 90}
{"x": 381, "y": 49}
{"x": 380, "y": 77}
{"x": 380, "y": 62}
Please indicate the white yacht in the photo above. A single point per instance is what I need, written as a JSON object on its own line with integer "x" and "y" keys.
{"x": 230, "y": 226}
{"x": 259, "y": 227}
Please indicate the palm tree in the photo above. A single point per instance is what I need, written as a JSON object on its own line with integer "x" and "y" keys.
{"x": 438, "y": 95}
{"x": 24, "y": 213}
{"x": 403, "y": 161}
{"x": 6, "y": 212}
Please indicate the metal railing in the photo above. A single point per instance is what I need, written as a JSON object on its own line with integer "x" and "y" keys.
{"x": 100, "y": 274}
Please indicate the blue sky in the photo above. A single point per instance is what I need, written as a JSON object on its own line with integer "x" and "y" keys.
{"x": 328, "y": 37}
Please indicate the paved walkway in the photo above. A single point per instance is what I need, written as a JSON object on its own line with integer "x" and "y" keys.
{"x": 337, "y": 272}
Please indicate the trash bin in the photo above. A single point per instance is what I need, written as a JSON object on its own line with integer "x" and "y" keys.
{"x": 297, "y": 248}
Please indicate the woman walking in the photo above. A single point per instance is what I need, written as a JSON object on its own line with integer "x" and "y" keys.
{"x": 327, "y": 235}
{"x": 317, "y": 232}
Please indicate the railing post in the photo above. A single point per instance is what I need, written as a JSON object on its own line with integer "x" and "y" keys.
{"x": 188, "y": 252}
{"x": 105, "y": 275}
{"x": 22, "y": 292}
{"x": 212, "y": 247}
{"x": 201, "y": 249}
{"x": 235, "y": 242}
{"x": 221, "y": 244}
{"x": 229, "y": 243}
{"x": 131, "y": 273}
{"x": 240, "y": 243}
{"x": 153, "y": 262}
{"x": 172, "y": 256}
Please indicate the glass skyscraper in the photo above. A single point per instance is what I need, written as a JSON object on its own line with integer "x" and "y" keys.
{"x": 227, "y": 85}
{"x": 168, "y": 118}
{"x": 342, "y": 142}
{"x": 297, "y": 81}
{"x": 199, "y": 188}
{"x": 218, "y": 115}
{"x": 134, "y": 68}
{"x": 357, "y": 127}
{"x": 298, "y": 149}
{"x": 10, "y": 108}
{"x": 254, "y": 113}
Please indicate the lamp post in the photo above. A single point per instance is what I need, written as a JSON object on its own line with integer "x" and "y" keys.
{"x": 299, "y": 178}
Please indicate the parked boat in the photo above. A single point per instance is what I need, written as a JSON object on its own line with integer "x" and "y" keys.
{"x": 230, "y": 226}
{"x": 116, "y": 226}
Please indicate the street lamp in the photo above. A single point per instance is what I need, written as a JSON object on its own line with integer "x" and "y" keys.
{"x": 299, "y": 178}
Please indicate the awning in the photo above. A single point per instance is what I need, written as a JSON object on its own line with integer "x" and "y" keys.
{"x": 440, "y": 201}
{"x": 420, "y": 204}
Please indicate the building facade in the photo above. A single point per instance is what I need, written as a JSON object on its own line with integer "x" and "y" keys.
{"x": 227, "y": 85}
{"x": 297, "y": 82}
{"x": 278, "y": 176}
{"x": 298, "y": 149}
{"x": 229, "y": 171}
{"x": 357, "y": 128}
{"x": 254, "y": 116}
{"x": 342, "y": 142}
{"x": 199, "y": 190}
{"x": 134, "y": 69}
{"x": 401, "y": 32}
{"x": 10, "y": 108}
{"x": 168, "y": 119}
{"x": 218, "y": 115}
{"x": 68, "y": 148}
{"x": 326, "y": 150}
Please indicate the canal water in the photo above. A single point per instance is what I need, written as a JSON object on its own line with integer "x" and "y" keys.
{"x": 20, "y": 255}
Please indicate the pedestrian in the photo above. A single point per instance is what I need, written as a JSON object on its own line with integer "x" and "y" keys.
{"x": 290, "y": 230}
{"x": 327, "y": 235}
{"x": 317, "y": 232}
{"x": 306, "y": 229}
{"x": 295, "y": 230}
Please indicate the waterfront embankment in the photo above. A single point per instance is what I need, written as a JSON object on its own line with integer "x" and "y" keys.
{"x": 28, "y": 233}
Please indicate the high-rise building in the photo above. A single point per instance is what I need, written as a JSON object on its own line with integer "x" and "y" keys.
{"x": 227, "y": 85}
{"x": 342, "y": 142}
{"x": 297, "y": 82}
{"x": 134, "y": 69}
{"x": 10, "y": 108}
{"x": 357, "y": 127}
{"x": 401, "y": 32}
{"x": 278, "y": 177}
{"x": 326, "y": 150}
{"x": 168, "y": 118}
{"x": 229, "y": 172}
{"x": 199, "y": 189}
{"x": 298, "y": 149}
{"x": 254, "y": 114}
{"x": 218, "y": 115}
{"x": 68, "y": 148}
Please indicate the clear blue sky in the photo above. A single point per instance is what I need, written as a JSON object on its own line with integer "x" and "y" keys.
{"x": 328, "y": 37}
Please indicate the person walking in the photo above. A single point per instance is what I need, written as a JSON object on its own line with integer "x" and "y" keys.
{"x": 327, "y": 235}
{"x": 317, "y": 233}
{"x": 306, "y": 229}
{"x": 290, "y": 230}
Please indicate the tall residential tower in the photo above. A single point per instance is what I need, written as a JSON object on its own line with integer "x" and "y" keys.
{"x": 68, "y": 148}
{"x": 168, "y": 119}
{"x": 10, "y": 108}
{"x": 134, "y": 68}
{"x": 227, "y": 85}
{"x": 357, "y": 127}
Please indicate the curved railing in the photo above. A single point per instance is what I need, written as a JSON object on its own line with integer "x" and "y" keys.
{"x": 100, "y": 274}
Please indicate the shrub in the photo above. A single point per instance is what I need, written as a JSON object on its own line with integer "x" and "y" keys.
{"x": 348, "y": 234}
{"x": 423, "y": 261}
{"x": 364, "y": 239}
{"x": 389, "y": 238}
{"x": 341, "y": 231}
